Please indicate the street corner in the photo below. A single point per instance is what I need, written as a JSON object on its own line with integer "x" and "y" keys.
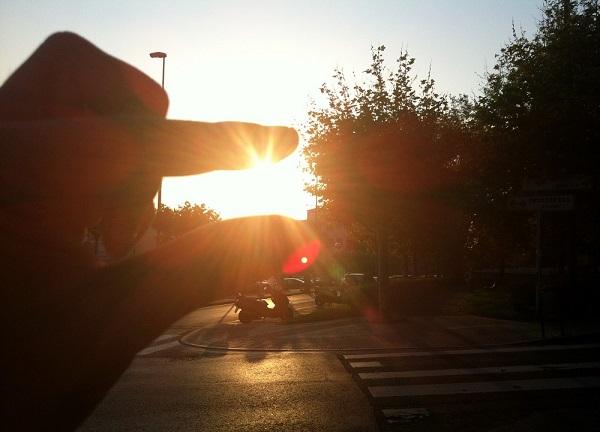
{"x": 324, "y": 329}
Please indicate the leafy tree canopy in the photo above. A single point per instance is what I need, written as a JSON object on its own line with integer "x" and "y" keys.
{"x": 380, "y": 145}
{"x": 172, "y": 223}
{"x": 539, "y": 112}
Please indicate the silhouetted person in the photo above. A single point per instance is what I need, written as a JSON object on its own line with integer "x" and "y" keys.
{"x": 84, "y": 140}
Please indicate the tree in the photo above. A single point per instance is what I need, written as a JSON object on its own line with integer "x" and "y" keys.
{"x": 538, "y": 117}
{"x": 385, "y": 153}
{"x": 172, "y": 223}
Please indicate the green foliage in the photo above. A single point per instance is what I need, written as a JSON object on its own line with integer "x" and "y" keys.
{"x": 386, "y": 151}
{"x": 537, "y": 118}
{"x": 172, "y": 223}
{"x": 539, "y": 111}
{"x": 391, "y": 151}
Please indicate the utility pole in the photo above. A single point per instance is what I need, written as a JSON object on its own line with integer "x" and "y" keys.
{"x": 163, "y": 56}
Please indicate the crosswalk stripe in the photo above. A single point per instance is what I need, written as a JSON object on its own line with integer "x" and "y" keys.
{"x": 368, "y": 364}
{"x": 484, "y": 387}
{"x": 165, "y": 336}
{"x": 160, "y": 347}
{"x": 406, "y": 413}
{"x": 477, "y": 371}
{"x": 468, "y": 351}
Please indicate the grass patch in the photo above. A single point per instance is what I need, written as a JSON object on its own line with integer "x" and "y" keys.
{"x": 495, "y": 302}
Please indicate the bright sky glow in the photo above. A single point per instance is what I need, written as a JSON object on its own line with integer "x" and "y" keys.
{"x": 261, "y": 61}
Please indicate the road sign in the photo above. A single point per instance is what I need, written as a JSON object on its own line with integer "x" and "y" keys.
{"x": 564, "y": 184}
{"x": 543, "y": 202}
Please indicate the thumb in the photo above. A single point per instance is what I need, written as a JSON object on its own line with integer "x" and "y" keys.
{"x": 231, "y": 254}
{"x": 210, "y": 263}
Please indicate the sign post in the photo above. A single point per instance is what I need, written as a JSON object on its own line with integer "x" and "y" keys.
{"x": 539, "y": 305}
{"x": 540, "y": 202}
{"x": 543, "y": 202}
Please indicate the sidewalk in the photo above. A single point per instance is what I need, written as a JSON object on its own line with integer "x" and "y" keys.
{"x": 357, "y": 333}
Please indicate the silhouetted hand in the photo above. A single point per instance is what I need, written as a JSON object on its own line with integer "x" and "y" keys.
{"x": 84, "y": 141}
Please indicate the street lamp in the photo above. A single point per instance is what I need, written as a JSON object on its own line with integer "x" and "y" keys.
{"x": 163, "y": 56}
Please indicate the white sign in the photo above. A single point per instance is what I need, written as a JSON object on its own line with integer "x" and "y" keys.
{"x": 570, "y": 183}
{"x": 543, "y": 202}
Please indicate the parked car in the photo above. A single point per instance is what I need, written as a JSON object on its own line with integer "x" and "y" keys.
{"x": 260, "y": 289}
{"x": 355, "y": 279}
{"x": 358, "y": 289}
{"x": 293, "y": 283}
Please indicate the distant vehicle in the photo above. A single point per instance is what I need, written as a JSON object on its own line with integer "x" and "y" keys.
{"x": 260, "y": 289}
{"x": 358, "y": 288}
{"x": 293, "y": 283}
{"x": 396, "y": 278}
{"x": 355, "y": 289}
{"x": 321, "y": 281}
{"x": 355, "y": 279}
{"x": 296, "y": 283}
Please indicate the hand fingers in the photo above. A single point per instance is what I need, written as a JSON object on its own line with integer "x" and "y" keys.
{"x": 67, "y": 158}
{"x": 120, "y": 163}
{"x": 67, "y": 76}
{"x": 138, "y": 298}
{"x": 73, "y": 82}
{"x": 123, "y": 226}
{"x": 177, "y": 147}
{"x": 227, "y": 256}
{"x": 127, "y": 212}
{"x": 93, "y": 155}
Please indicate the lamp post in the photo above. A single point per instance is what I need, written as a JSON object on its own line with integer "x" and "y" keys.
{"x": 316, "y": 199}
{"x": 163, "y": 56}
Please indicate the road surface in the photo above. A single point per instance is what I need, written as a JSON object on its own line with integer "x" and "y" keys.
{"x": 517, "y": 387}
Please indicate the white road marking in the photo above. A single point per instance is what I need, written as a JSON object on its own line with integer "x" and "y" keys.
{"x": 404, "y": 415}
{"x": 160, "y": 347}
{"x": 468, "y": 351}
{"x": 478, "y": 371}
{"x": 166, "y": 336}
{"x": 474, "y": 326}
{"x": 368, "y": 364}
{"x": 484, "y": 387}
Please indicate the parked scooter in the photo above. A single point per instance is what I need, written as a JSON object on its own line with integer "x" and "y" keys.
{"x": 252, "y": 308}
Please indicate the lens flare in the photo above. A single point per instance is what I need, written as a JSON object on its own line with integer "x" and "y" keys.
{"x": 302, "y": 258}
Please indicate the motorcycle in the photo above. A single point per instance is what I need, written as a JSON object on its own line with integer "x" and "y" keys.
{"x": 252, "y": 308}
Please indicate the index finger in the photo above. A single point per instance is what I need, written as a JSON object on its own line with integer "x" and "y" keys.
{"x": 91, "y": 154}
{"x": 178, "y": 147}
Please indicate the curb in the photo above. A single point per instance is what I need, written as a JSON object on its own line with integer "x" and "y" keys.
{"x": 182, "y": 340}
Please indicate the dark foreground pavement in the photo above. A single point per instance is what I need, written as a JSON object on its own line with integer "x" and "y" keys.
{"x": 235, "y": 392}
{"x": 209, "y": 372}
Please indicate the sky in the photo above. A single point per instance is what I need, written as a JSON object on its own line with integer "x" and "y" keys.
{"x": 264, "y": 61}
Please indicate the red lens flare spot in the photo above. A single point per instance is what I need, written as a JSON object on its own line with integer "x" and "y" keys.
{"x": 302, "y": 258}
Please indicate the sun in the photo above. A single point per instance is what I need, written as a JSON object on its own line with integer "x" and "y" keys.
{"x": 266, "y": 187}
{"x": 261, "y": 165}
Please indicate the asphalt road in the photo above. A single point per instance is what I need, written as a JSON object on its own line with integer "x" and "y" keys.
{"x": 513, "y": 388}
{"x": 177, "y": 388}
{"x": 170, "y": 386}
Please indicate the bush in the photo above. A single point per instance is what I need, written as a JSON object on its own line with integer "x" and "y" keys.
{"x": 417, "y": 296}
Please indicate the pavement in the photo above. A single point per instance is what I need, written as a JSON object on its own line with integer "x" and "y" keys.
{"x": 361, "y": 333}
{"x": 208, "y": 371}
